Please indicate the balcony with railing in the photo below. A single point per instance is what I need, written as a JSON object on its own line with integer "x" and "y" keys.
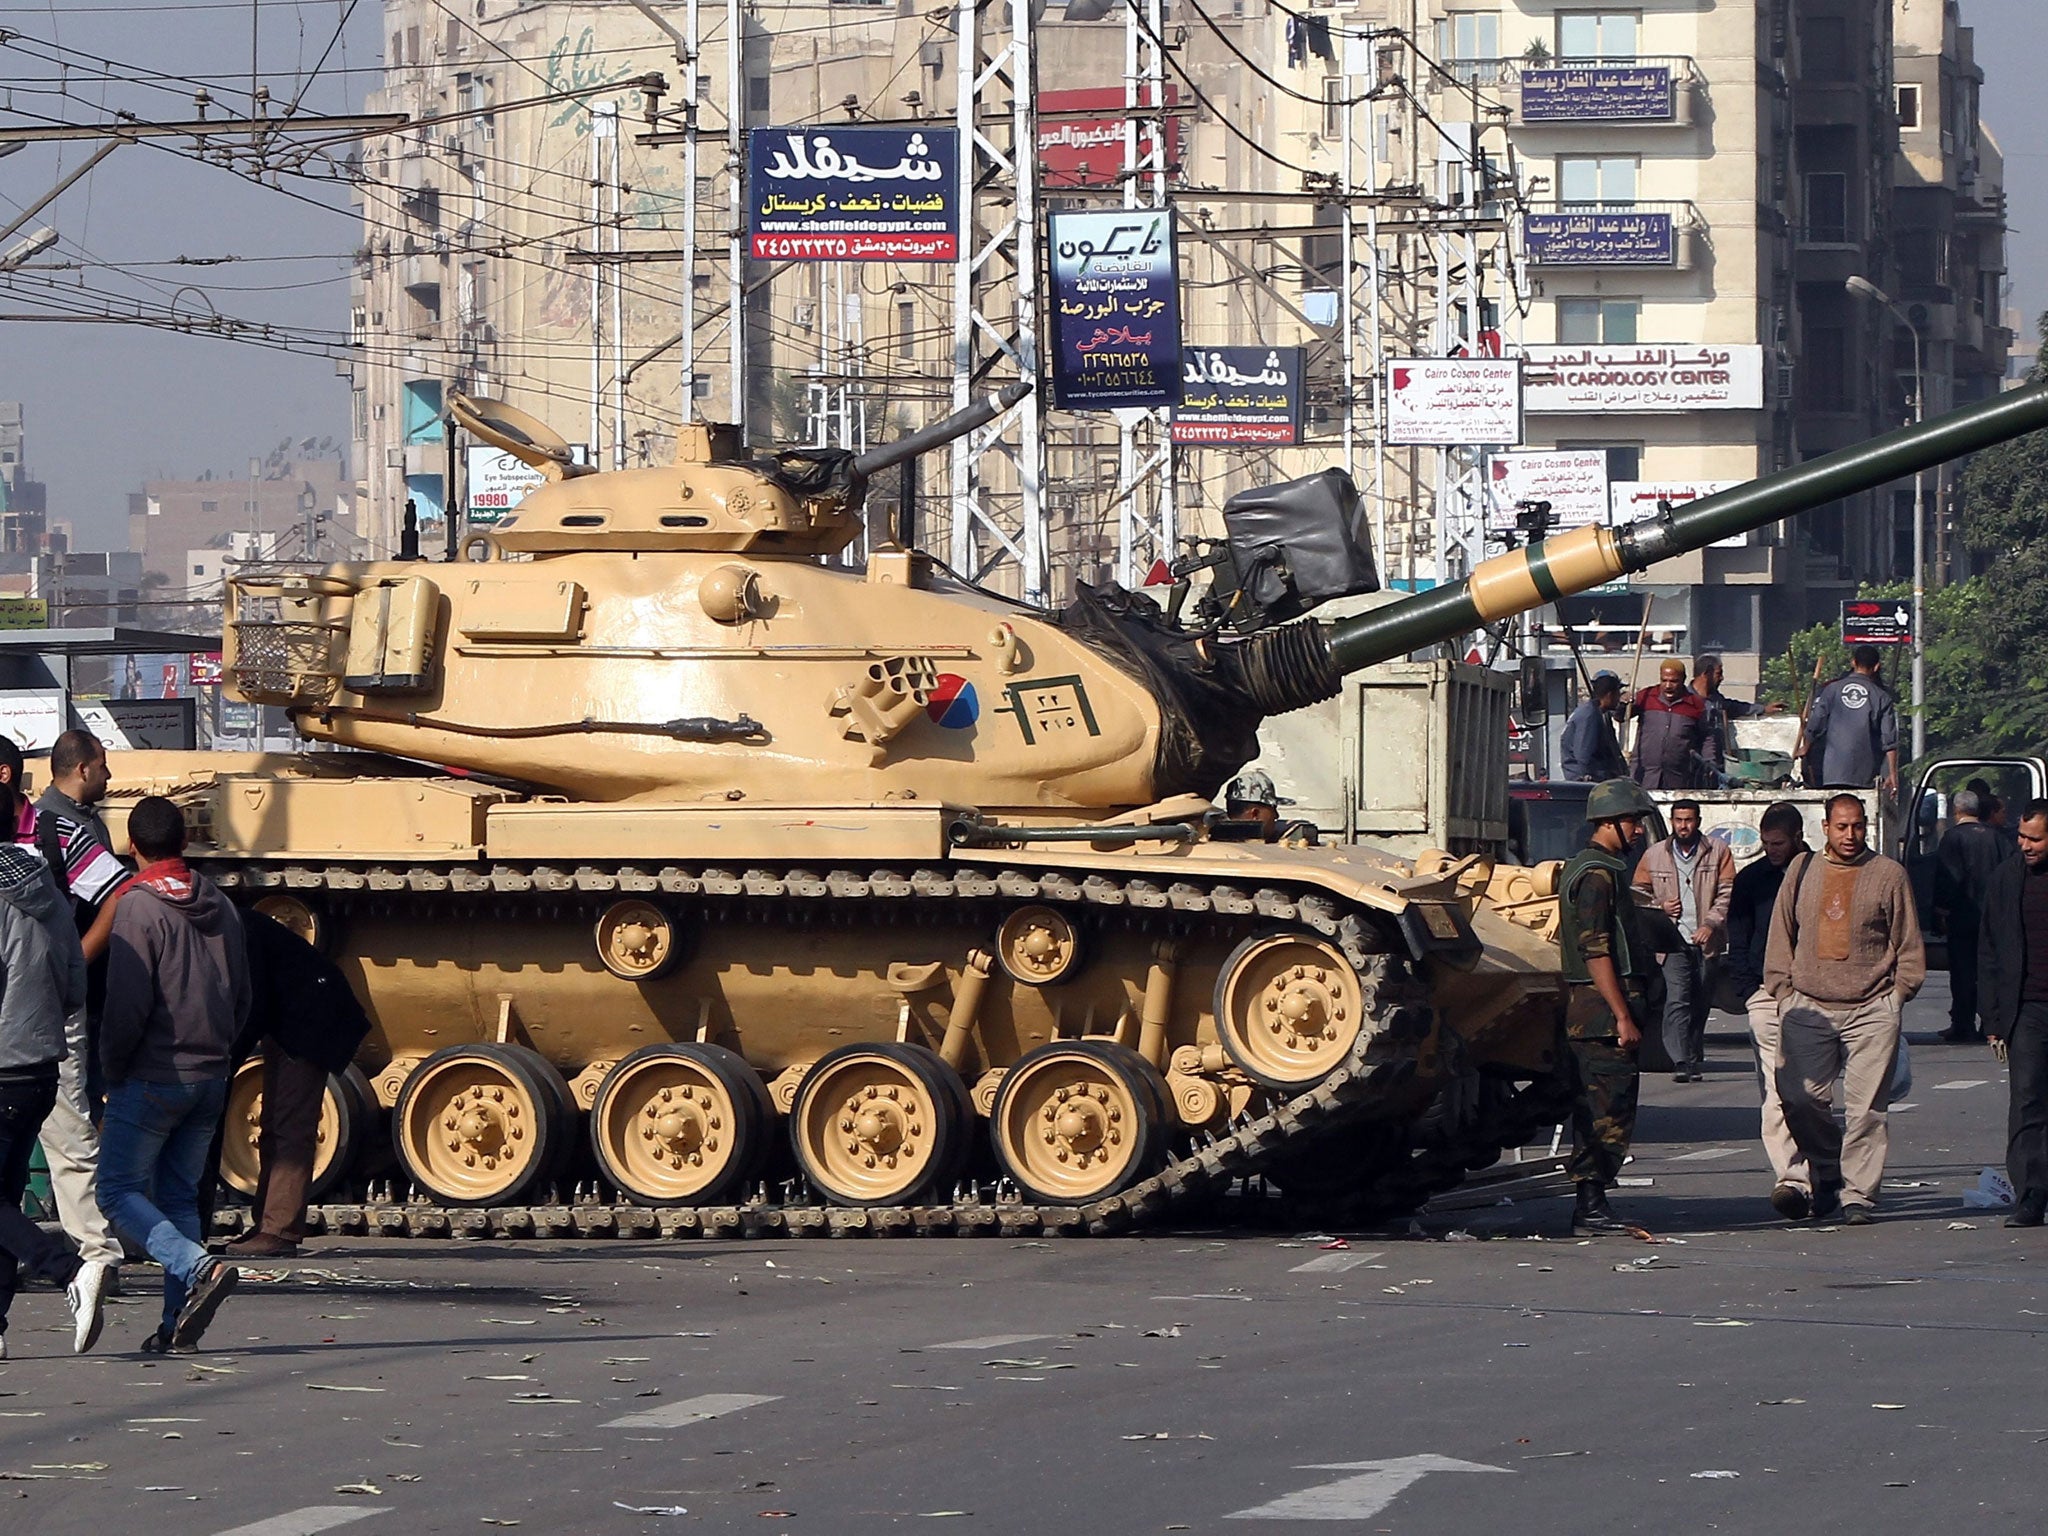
{"x": 1614, "y": 234}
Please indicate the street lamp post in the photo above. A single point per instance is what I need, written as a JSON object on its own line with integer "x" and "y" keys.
{"x": 1864, "y": 288}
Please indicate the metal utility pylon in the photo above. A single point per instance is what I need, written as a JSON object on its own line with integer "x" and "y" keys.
{"x": 1147, "y": 515}
{"x": 995, "y": 299}
{"x": 1361, "y": 299}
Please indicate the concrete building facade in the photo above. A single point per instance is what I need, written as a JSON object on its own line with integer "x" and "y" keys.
{"x": 288, "y": 509}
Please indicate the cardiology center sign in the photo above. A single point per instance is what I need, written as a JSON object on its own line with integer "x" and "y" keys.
{"x": 1647, "y": 380}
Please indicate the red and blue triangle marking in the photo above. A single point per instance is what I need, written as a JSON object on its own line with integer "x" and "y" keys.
{"x": 953, "y": 703}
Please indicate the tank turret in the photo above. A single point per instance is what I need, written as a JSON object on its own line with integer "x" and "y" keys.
{"x": 671, "y": 633}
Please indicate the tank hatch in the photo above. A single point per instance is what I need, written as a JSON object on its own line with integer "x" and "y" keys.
{"x": 804, "y": 502}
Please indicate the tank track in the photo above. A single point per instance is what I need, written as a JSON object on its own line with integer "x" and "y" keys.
{"x": 1201, "y": 1175}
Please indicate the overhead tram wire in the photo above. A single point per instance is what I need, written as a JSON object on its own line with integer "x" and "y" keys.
{"x": 263, "y": 333}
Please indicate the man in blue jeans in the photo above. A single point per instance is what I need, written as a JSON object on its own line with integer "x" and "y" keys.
{"x": 177, "y": 994}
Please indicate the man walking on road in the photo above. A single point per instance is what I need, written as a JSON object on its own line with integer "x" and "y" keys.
{"x": 1606, "y": 961}
{"x": 64, "y": 827}
{"x": 1968, "y": 856}
{"x": 1854, "y": 726}
{"x": 177, "y": 995}
{"x": 1691, "y": 878}
{"x": 1844, "y": 960}
{"x": 1587, "y": 751}
{"x": 2013, "y": 986}
{"x": 1757, "y": 890}
{"x": 42, "y": 979}
{"x": 1674, "y": 748}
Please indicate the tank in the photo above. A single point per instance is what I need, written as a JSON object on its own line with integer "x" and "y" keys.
{"x": 687, "y": 869}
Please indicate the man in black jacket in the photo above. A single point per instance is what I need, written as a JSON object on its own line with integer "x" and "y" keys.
{"x": 2012, "y": 977}
{"x": 307, "y": 1023}
{"x": 1970, "y": 853}
{"x": 1783, "y": 831}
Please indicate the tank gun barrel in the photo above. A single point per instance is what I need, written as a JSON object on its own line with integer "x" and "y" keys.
{"x": 940, "y": 432}
{"x": 1583, "y": 558}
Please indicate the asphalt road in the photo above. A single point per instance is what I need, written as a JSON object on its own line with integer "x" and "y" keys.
{"x": 1739, "y": 1374}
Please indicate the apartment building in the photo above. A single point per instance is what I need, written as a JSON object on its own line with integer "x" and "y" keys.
{"x": 287, "y": 507}
{"x": 24, "y": 502}
{"x": 1697, "y": 181}
{"x": 1949, "y": 211}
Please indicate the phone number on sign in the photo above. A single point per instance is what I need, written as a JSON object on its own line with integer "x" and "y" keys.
{"x": 856, "y": 247}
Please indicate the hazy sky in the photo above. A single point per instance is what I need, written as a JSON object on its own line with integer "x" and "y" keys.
{"x": 108, "y": 406}
{"x": 111, "y": 405}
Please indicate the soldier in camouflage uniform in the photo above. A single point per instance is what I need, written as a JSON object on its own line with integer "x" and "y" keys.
{"x": 1606, "y": 960}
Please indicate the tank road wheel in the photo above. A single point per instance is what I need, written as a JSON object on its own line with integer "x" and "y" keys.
{"x": 1289, "y": 1007}
{"x": 681, "y": 1125}
{"x": 348, "y": 1110}
{"x": 879, "y": 1124}
{"x": 482, "y": 1124}
{"x": 1038, "y": 946}
{"x": 637, "y": 941}
{"x": 297, "y": 914}
{"x": 1078, "y": 1120}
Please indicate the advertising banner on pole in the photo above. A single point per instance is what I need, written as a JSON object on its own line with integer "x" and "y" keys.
{"x": 1246, "y": 395}
{"x": 1088, "y": 151}
{"x": 1573, "y": 481}
{"x": 1877, "y": 621}
{"x": 853, "y": 193}
{"x": 1454, "y": 402}
{"x": 1116, "y": 310}
{"x": 496, "y": 482}
{"x": 1636, "y": 499}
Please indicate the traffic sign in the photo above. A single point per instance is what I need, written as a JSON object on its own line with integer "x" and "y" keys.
{"x": 1877, "y": 621}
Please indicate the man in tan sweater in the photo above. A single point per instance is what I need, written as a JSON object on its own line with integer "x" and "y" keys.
{"x": 1844, "y": 959}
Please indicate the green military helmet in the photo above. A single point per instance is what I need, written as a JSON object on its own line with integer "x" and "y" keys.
{"x": 1617, "y": 798}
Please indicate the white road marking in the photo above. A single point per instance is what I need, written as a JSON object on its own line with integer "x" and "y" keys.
{"x": 309, "y": 1521}
{"x": 1962, "y": 1082}
{"x": 993, "y": 1341}
{"x": 1377, "y": 1485}
{"x": 1333, "y": 1263}
{"x": 692, "y": 1410}
{"x": 1706, "y": 1154}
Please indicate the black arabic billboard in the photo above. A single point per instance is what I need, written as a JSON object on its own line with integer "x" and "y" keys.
{"x": 853, "y": 194}
{"x": 1246, "y": 395}
{"x": 1116, "y": 310}
{"x": 1584, "y": 93}
{"x": 1596, "y": 239}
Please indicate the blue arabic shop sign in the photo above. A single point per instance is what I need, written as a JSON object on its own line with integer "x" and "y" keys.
{"x": 1240, "y": 395}
{"x": 1602, "y": 239}
{"x": 1116, "y": 310}
{"x": 1599, "y": 93}
{"x": 853, "y": 194}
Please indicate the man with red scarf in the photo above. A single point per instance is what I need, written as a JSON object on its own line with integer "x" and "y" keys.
{"x": 177, "y": 995}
